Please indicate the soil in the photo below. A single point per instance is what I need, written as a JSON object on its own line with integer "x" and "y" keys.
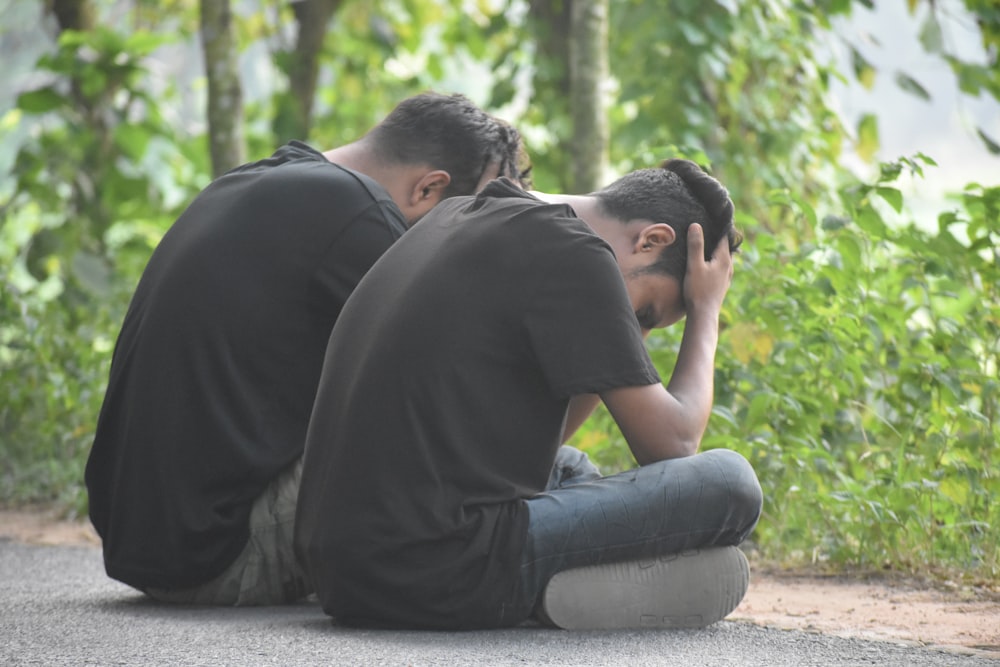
{"x": 960, "y": 620}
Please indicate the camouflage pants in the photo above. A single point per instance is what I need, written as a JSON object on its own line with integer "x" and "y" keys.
{"x": 266, "y": 572}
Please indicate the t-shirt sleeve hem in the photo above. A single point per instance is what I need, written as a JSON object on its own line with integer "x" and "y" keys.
{"x": 597, "y": 385}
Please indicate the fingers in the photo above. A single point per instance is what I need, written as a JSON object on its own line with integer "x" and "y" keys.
{"x": 721, "y": 259}
{"x": 696, "y": 245}
{"x": 722, "y": 253}
{"x": 696, "y": 241}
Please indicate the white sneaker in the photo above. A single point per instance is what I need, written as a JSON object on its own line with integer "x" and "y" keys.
{"x": 687, "y": 590}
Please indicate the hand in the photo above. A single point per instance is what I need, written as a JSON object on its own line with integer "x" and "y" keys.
{"x": 706, "y": 283}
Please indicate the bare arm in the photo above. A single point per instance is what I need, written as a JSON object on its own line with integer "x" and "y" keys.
{"x": 580, "y": 407}
{"x": 668, "y": 422}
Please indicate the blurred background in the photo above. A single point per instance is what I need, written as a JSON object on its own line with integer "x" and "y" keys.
{"x": 860, "y": 139}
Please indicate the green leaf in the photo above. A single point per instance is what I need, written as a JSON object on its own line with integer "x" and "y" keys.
{"x": 833, "y": 222}
{"x": 434, "y": 67}
{"x": 726, "y": 414}
{"x": 850, "y": 253}
{"x": 40, "y": 101}
{"x": 931, "y": 37}
{"x": 912, "y": 86}
{"x": 863, "y": 69}
{"x": 93, "y": 82}
{"x": 132, "y": 139}
{"x": 796, "y": 202}
{"x": 144, "y": 42}
{"x": 93, "y": 272}
{"x": 870, "y": 221}
{"x": 868, "y": 142}
{"x": 893, "y": 196}
{"x": 992, "y": 146}
{"x": 693, "y": 34}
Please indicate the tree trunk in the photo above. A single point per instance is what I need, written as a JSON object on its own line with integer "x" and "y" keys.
{"x": 572, "y": 44}
{"x": 588, "y": 76}
{"x": 552, "y": 20}
{"x": 225, "y": 95}
{"x": 73, "y": 14}
{"x": 312, "y": 18}
{"x": 549, "y": 21}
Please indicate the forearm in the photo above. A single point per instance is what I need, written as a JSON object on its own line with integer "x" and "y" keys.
{"x": 664, "y": 422}
{"x": 580, "y": 408}
{"x": 692, "y": 383}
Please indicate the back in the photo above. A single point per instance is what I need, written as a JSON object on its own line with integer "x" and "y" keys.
{"x": 216, "y": 366}
{"x": 441, "y": 407}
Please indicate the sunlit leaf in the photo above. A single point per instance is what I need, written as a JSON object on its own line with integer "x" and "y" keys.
{"x": 891, "y": 195}
{"x": 750, "y": 342}
{"x": 868, "y": 137}
{"x": 863, "y": 70}
{"x": 143, "y": 42}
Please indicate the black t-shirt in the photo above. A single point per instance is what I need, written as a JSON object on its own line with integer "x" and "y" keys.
{"x": 441, "y": 405}
{"x": 215, "y": 369}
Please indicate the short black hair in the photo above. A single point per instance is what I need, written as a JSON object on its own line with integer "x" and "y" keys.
{"x": 677, "y": 193}
{"x": 451, "y": 133}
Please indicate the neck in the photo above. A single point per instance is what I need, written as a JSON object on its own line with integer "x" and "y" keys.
{"x": 588, "y": 209}
{"x": 357, "y": 157}
{"x": 398, "y": 180}
{"x": 618, "y": 234}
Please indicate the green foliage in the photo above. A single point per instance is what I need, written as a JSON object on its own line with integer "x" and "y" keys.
{"x": 92, "y": 189}
{"x": 737, "y": 83}
{"x": 859, "y": 375}
{"x": 375, "y": 54}
{"x": 860, "y": 354}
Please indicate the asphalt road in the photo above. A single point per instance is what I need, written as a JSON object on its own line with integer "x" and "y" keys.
{"x": 58, "y": 608}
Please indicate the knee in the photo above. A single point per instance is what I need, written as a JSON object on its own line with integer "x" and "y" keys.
{"x": 746, "y": 496}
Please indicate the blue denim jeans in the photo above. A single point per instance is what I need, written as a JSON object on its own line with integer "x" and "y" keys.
{"x": 709, "y": 499}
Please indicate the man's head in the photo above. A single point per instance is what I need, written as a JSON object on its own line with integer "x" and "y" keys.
{"x": 437, "y": 146}
{"x": 645, "y": 217}
{"x": 677, "y": 194}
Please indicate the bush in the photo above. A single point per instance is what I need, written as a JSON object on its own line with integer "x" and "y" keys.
{"x": 96, "y": 181}
{"x": 858, "y": 373}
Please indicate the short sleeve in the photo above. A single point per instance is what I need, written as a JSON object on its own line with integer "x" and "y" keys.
{"x": 579, "y": 320}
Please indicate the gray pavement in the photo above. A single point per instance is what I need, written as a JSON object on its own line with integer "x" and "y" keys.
{"x": 58, "y": 608}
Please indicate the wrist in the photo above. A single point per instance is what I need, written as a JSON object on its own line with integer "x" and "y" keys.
{"x": 704, "y": 309}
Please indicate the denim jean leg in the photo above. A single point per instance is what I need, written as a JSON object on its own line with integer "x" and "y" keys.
{"x": 709, "y": 499}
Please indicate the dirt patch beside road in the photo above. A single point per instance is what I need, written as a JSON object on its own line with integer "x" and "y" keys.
{"x": 962, "y": 621}
{"x": 39, "y": 526}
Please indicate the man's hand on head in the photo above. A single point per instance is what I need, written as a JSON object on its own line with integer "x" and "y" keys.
{"x": 706, "y": 282}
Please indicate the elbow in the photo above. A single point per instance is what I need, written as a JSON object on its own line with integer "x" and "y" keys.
{"x": 673, "y": 448}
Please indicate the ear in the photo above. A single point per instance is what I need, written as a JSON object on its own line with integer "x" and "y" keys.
{"x": 429, "y": 188}
{"x": 655, "y": 237}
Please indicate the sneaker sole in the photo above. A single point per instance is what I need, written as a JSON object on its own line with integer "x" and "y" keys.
{"x": 688, "y": 590}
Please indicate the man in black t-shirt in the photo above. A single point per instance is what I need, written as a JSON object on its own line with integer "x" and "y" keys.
{"x": 467, "y": 355}
{"x": 193, "y": 474}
